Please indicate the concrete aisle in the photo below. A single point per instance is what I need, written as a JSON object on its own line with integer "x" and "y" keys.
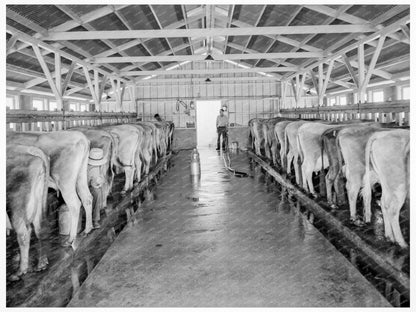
{"x": 222, "y": 241}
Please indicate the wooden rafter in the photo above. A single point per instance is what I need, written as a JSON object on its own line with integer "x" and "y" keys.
{"x": 228, "y": 21}
{"x": 350, "y": 69}
{"x": 256, "y": 24}
{"x": 197, "y": 32}
{"x": 209, "y": 71}
{"x": 348, "y": 18}
{"x": 386, "y": 30}
{"x": 180, "y": 58}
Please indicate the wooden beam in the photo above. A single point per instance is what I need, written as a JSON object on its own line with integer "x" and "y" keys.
{"x": 10, "y": 43}
{"x": 228, "y": 25}
{"x": 197, "y": 32}
{"x": 47, "y": 72}
{"x": 350, "y": 69}
{"x": 181, "y": 58}
{"x": 373, "y": 61}
{"x": 209, "y": 71}
{"x": 102, "y": 86}
{"x": 135, "y": 42}
{"x": 68, "y": 77}
{"x": 383, "y": 32}
{"x": 406, "y": 31}
{"x": 293, "y": 84}
{"x": 314, "y": 81}
{"x": 328, "y": 75}
{"x": 58, "y": 73}
{"x": 92, "y": 90}
{"x": 33, "y": 41}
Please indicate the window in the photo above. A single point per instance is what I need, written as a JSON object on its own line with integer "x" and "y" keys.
{"x": 332, "y": 101}
{"x": 406, "y": 93}
{"x": 378, "y": 96}
{"x": 343, "y": 100}
{"x": 37, "y": 104}
{"x": 73, "y": 107}
{"x": 83, "y": 107}
{"x": 52, "y": 105}
{"x": 10, "y": 102}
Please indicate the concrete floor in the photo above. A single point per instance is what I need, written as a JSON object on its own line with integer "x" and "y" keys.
{"x": 222, "y": 241}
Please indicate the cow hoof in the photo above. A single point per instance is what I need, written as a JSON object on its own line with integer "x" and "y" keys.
{"x": 66, "y": 243}
{"x": 96, "y": 225}
{"x": 333, "y": 206}
{"x": 42, "y": 265}
{"x": 14, "y": 278}
{"x": 357, "y": 222}
{"x": 123, "y": 193}
{"x": 314, "y": 196}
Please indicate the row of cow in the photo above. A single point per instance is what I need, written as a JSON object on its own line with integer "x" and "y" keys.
{"x": 80, "y": 164}
{"x": 358, "y": 152}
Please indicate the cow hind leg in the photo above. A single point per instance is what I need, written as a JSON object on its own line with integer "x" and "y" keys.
{"x": 289, "y": 159}
{"x": 392, "y": 213}
{"x": 43, "y": 246}
{"x": 129, "y": 174}
{"x": 353, "y": 188}
{"x": 74, "y": 205}
{"x": 23, "y": 233}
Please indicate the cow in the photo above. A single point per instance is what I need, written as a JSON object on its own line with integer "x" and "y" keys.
{"x": 291, "y": 148}
{"x": 279, "y": 133}
{"x": 313, "y": 157}
{"x": 256, "y": 134}
{"x": 155, "y": 140}
{"x": 387, "y": 160}
{"x": 27, "y": 171}
{"x": 146, "y": 146}
{"x": 270, "y": 142}
{"x": 351, "y": 142}
{"x": 68, "y": 152}
{"x": 100, "y": 169}
{"x": 128, "y": 139}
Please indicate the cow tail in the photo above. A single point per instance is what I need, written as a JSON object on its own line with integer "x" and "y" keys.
{"x": 367, "y": 183}
{"x": 301, "y": 156}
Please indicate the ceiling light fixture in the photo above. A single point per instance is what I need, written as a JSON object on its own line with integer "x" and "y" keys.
{"x": 207, "y": 80}
{"x": 209, "y": 58}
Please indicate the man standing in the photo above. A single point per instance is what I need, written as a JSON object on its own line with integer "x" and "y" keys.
{"x": 222, "y": 125}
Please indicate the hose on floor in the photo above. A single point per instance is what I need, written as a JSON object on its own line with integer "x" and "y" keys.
{"x": 227, "y": 165}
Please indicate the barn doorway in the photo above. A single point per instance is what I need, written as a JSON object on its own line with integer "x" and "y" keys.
{"x": 206, "y": 116}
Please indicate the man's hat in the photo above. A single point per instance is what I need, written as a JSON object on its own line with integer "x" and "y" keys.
{"x": 96, "y": 157}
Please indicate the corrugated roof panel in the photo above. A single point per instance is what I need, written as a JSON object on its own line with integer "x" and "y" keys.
{"x": 81, "y": 10}
{"x": 46, "y": 16}
{"x": 277, "y": 15}
{"x": 241, "y": 40}
{"x": 168, "y": 14}
{"x": 25, "y": 62}
{"x": 324, "y": 41}
{"x": 157, "y": 45}
{"x": 17, "y": 77}
{"x": 279, "y": 46}
{"x": 137, "y": 50}
{"x": 108, "y": 22}
{"x": 91, "y": 46}
{"x": 20, "y": 27}
{"x": 138, "y": 17}
{"x": 259, "y": 43}
{"x": 174, "y": 42}
{"x": 67, "y": 50}
{"x": 368, "y": 12}
{"x": 396, "y": 17}
{"x": 309, "y": 17}
{"x": 150, "y": 66}
{"x": 249, "y": 14}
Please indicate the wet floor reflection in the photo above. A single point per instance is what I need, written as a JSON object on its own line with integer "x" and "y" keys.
{"x": 220, "y": 240}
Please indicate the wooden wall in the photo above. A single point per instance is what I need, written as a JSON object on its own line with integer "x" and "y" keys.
{"x": 246, "y": 97}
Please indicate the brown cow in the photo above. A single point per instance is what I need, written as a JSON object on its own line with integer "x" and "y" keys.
{"x": 387, "y": 160}
{"x": 68, "y": 152}
{"x": 27, "y": 171}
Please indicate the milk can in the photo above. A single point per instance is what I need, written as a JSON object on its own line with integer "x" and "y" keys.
{"x": 195, "y": 163}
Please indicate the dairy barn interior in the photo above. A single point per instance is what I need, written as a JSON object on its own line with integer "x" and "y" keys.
{"x": 127, "y": 187}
